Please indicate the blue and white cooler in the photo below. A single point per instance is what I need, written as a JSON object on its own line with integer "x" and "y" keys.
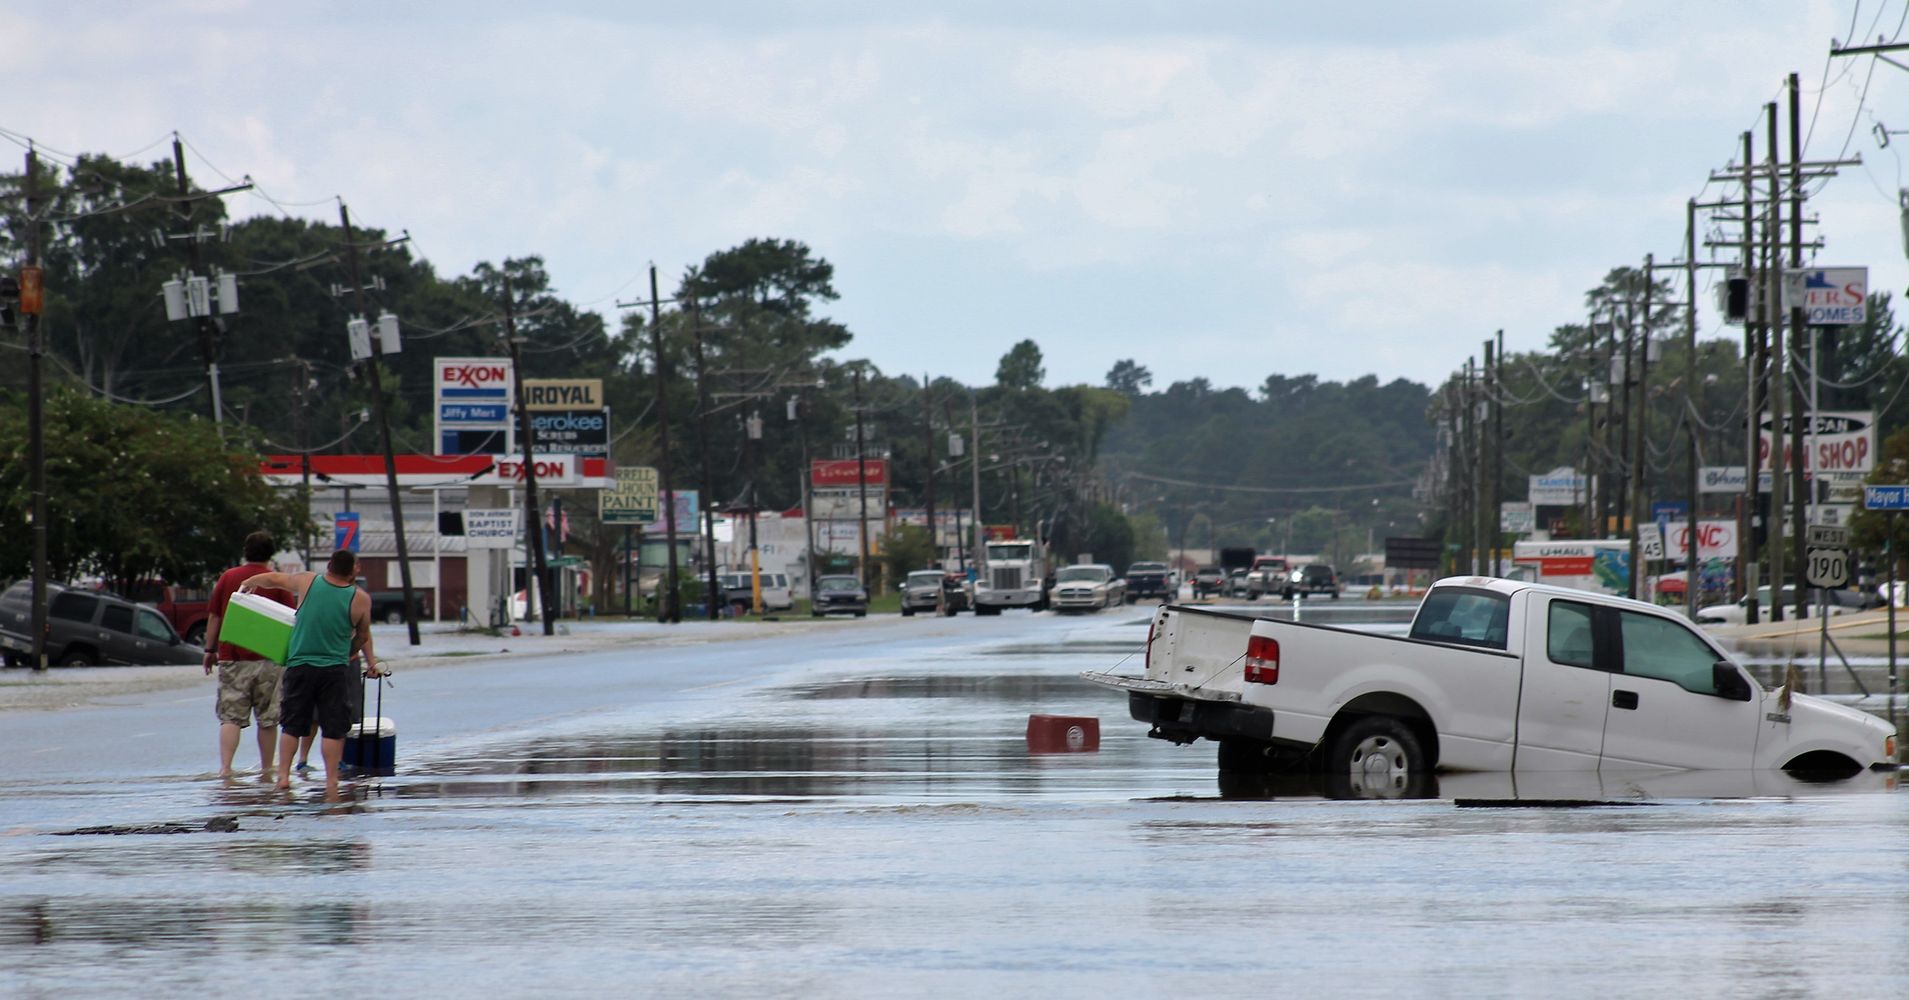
{"x": 371, "y": 747}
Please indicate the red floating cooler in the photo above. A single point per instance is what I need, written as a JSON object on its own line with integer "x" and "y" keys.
{"x": 1063, "y": 734}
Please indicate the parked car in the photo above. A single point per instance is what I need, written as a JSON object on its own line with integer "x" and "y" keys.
{"x": 387, "y": 606}
{"x": 1149, "y": 579}
{"x": 738, "y": 590}
{"x": 839, "y": 595}
{"x": 1237, "y": 584}
{"x": 186, "y": 608}
{"x": 1207, "y": 581}
{"x": 1088, "y": 587}
{"x": 936, "y": 590}
{"x": 87, "y": 628}
{"x": 1493, "y": 675}
{"x": 1841, "y": 602}
{"x": 1268, "y": 575}
{"x": 1312, "y": 578}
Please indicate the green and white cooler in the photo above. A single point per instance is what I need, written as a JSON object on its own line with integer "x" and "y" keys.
{"x": 260, "y": 624}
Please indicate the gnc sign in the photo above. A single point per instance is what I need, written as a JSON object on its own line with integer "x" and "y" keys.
{"x": 1715, "y": 540}
{"x": 552, "y": 470}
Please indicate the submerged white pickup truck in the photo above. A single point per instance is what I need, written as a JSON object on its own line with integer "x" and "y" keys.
{"x": 1493, "y": 675}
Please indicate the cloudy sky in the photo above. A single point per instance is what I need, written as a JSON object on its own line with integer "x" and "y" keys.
{"x": 1215, "y": 189}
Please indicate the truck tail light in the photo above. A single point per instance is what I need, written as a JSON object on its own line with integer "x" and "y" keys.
{"x": 1147, "y": 660}
{"x": 1262, "y": 660}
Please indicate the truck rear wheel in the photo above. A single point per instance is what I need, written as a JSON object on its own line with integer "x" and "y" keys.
{"x": 1377, "y": 757}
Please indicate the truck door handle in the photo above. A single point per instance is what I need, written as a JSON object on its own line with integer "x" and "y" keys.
{"x": 1624, "y": 699}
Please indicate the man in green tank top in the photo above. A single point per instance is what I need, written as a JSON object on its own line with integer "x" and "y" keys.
{"x": 334, "y": 622}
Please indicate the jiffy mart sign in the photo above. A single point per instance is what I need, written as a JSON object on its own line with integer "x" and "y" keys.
{"x": 1831, "y": 296}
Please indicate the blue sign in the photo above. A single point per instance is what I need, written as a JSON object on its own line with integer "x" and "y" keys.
{"x": 464, "y": 413}
{"x": 1669, "y": 510}
{"x": 1886, "y": 497}
{"x": 344, "y": 531}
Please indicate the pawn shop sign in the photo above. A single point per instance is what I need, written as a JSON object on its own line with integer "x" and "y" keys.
{"x": 32, "y": 290}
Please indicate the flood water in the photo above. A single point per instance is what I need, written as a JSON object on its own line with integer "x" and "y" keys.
{"x": 853, "y": 810}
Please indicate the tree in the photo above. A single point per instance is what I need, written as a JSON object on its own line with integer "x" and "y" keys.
{"x": 1020, "y": 367}
{"x": 906, "y": 548}
{"x": 134, "y": 495}
{"x": 1128, "y": 377}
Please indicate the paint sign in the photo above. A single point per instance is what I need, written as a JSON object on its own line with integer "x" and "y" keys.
{"x": 633, "y": 500}
{"x": 1833, "y": 441}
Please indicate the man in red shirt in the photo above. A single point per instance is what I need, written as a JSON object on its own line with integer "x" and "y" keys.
{"x": 248, "y": 682}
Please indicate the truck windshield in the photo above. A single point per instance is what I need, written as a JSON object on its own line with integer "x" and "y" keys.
{"x": 1075, "y": 574}
{"x": 1020, "y": 551}
{"x": 1463, "y": 615}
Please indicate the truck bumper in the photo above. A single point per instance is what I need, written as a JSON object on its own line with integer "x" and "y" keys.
{"x": 1183, "y": 720}
{"x": 1008, "y": 598}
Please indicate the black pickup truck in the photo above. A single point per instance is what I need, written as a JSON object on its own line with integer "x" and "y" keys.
{"x": 1149, "y": 579}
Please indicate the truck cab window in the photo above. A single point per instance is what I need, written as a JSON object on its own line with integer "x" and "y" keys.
{"x": 1568, "y": 634}
{"x": 1657, "y": 647}
{"x": 1469, "y": 617}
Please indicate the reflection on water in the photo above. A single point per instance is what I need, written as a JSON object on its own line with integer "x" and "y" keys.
{"x": 197, "y": 924}
{"x": 981, "y": 687}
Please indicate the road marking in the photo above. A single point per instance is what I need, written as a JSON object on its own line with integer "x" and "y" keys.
{"x": 705, "y": 687}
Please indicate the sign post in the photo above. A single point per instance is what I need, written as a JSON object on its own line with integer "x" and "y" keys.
{"x": 1893, "y": 499}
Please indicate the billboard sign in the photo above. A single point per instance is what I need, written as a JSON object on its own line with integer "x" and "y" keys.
{"x": 1715, "y": 539}
{"x": 1722, "y": 479}
{"x": 846, "y": 472}
{"x": 633, "y": 500}
{"x": 470, "y": 403}
{"x": 1833, "y": 440}
{"x": 1561, "y": 487}
{"x": 490, "y": 528}
{"x": 1831, "y": 296}
{"x": 580, "y": 432}
{"x": 563, "y": 394}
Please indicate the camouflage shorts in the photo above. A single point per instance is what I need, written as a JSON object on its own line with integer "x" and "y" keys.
{"x": 248, "y": 688}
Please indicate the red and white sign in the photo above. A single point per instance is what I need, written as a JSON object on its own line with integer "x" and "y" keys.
{"x": 1715, "y": 540}
{"x": 847, "y": 472}
{"x": 473, "y": 373}
{"x": 1834, "y": 441}
{"x": 552, "y": 470}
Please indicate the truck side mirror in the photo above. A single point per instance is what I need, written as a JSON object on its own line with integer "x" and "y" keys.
{"x": 1729, "y": 682}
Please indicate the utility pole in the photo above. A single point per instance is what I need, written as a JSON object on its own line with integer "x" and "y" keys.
{"x": 716, "y": 596}
{"x": 1639, "y": 462}
{"x": 1487, "y": 491}
{"x": 1753, "y": 363}
{"x": 668, "y": 608}
{"x": 1592, "y": 380}
{"x": 928, "y": 495}
{"x": 808, "y": 495}
{"x": 1691, "y": 384}
{"x": 32, "y": 292}
{"x": 861, "y": 484}
{"x": 1797, "y": 322}
{"x": 375, "y": 374}
{"x": 978, "y": 554}
{"x": 208, "y": 350}
{"x": 751, "y": 433}
{"x": 1772, "y": 296}
{"x": 535, "y": 566}
{"x": 1497, "y": 462}
{"x": 1467, "y": 419}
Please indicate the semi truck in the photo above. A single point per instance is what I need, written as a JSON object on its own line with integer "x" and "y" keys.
{"x": 1017, "y": 574}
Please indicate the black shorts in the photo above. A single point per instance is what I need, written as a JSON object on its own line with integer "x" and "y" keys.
{"x": 316, "y": 693}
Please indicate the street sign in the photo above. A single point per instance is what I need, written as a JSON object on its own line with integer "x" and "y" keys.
{"x": 1650, "y": 542}
{"x": 491, "y": 528}
{"x": 344, "y": 531}
{"x": 633, "y": 500}
{"x": 1664, "y": 511}
{"x": 1825, "y": 536}
{"x": 1886, "y": 497}
{"x": 1827, "y": 568}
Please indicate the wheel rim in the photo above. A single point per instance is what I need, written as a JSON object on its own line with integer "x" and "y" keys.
{"x": 1379, "y": 764}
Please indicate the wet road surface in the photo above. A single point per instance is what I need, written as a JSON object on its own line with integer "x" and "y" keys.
{"x": 851, "y": 809}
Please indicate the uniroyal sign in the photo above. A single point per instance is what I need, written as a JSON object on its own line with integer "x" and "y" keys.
{"x": 847, "y": 472}
{"x": 1833, "y": 441}
{"x": 552, "y": 470}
